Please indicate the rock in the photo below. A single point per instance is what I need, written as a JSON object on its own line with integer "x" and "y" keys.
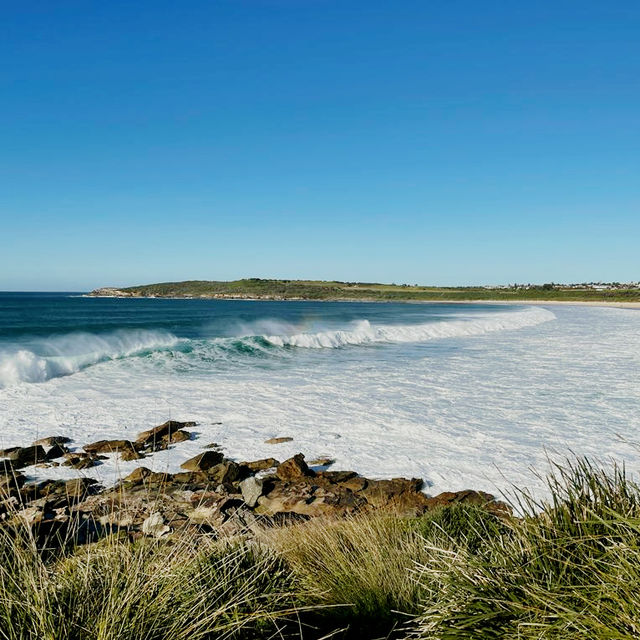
{"x": 154, "y": 526}
{"x": 78, "y": 488}
{"x": 261, "y": 465}
{"x": 278, "y": 440}
{"x": 224, "y": 473}
{"x": 80, "y": 460}
{"x": 56, "y": 451}
{"x": 402, "y": 495}
{"x": 191, "y": 479}
{"x": 109, "y": 446}
{"x": 321, "y": 462}
{"x": 309, "y": 499}
{"x": 25, "y": 456}
{"x": 138, "y": 475}
{"x": 51, "y": 441}
{"x": 251, "y": 489}
{"x": 337, "y": 476}
{"x": 7, "y": 467}
{"x": 293, "y": 469}
{"x": 176, "y": 436}
{"x": 127, "y": 455}
{"x": 213, "y": 445}
{"x": 355, "y": 484}
{"x": 240, "y": 521}
{"x": 151, "y": 436}
{"x": 10, "y": 481}
{"x": 469, "y": 496}
{"x": 203, "y": 461}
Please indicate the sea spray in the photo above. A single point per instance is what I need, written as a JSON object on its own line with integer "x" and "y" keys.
{"x": 40, "y": 359}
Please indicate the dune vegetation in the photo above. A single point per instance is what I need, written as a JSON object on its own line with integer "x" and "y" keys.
{"x": 568, "y": 567}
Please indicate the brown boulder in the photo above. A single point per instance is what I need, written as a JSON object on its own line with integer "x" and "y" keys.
{"x": 10, "y": 481}
{"x": 469, "y": 496}
{"x": 176, "y": 436}
{"x": 203, "y": 461}
{"x": 127, "y": 455}
{"x": 336, "y": 477}
{"x": 278, "y": 440}
{"x": 321, "y": 462}
{"x": 308, "y": 499}
{"x": 81, "y": 460}
{"x": 294, "y": 469}
{"x": 261, "y": 465}
{"x": 24, "y": 456}
{"x": 138, "y": 475}
{"x": 400, "y": 494}
{"x": 224, "y": 472}
{"x": 78, "y": 488}
{"x": 109, "y": 446}
{"x": 50, "y": 441}
{"x": 151, "y": 436}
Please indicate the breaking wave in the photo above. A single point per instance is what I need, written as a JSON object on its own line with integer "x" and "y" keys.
{"x": 43, "y": 359}
{"x": 363, "y": 332}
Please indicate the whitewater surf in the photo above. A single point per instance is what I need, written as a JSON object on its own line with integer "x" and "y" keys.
{"x": 460, "y": 395}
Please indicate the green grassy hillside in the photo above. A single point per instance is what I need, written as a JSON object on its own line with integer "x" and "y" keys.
{"x": 333, "y": 290}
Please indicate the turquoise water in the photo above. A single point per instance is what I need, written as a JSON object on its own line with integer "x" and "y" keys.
{"x": 49, "y": 335}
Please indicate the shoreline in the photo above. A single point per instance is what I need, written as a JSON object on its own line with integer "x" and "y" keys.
{"x": 589, "y": 303}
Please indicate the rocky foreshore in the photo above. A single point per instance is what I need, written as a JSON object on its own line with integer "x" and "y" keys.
{"x": 212, "y": 495}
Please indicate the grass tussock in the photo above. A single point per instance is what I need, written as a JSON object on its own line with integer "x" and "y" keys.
{"x": 358, "y": 571}
{"x": 570, "y": 568}
{"x": 148, "y": 590}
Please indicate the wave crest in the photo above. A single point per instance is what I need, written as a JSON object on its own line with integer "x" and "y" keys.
{"x": 363, "y": 332}
{"x": 41, "y": 360}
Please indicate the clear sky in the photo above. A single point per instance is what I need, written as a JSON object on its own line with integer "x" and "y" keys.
{"x": 432, "y": 142}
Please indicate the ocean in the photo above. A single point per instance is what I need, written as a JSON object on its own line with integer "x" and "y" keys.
{"x": 463, "y": 395}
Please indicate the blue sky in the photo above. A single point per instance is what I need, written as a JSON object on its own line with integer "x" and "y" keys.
{"x": 431, "y": 142}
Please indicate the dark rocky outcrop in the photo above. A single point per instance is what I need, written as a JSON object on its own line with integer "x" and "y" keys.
{"x": 24, "y": 456}
{"x": 56, "y": 451}
{"x": 211, "y": 495}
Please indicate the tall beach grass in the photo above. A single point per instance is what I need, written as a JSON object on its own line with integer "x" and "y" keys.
{"x": 567, "y": 567}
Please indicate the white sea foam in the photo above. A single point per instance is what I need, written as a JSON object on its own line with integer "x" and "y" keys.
{"x": 42, "y": 359}
{"x": 363, "y": 332}
{"x": 475, "y": 411}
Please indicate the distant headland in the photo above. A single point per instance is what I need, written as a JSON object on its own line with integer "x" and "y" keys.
{"x": 266, "y": 289}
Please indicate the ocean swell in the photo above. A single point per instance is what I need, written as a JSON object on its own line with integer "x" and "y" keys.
{"x": 363, "y": 332}
{"x": 42, "y": 359}
{"x": 39, "y": 360}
